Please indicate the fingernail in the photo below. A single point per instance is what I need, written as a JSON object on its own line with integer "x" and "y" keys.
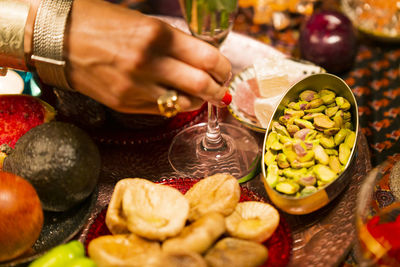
{"x": 227, "y": 81}
{"x": 227, "y": 99}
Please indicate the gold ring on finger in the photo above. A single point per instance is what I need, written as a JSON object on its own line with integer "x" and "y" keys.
{"x": 168, "y": 104}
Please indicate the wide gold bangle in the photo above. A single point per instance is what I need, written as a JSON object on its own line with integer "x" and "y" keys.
{"x": 48, "y": 42}
{"x": 13, "y": 16}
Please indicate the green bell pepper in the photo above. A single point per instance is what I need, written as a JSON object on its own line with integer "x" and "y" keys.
{"x": 69, "y": 254}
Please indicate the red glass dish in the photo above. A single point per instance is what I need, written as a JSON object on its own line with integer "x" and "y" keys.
{"x": 168, "y": 130}
{"x": 279, "y": 245}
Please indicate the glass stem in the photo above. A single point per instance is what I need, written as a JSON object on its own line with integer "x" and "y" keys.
{"x": 213, "y": 140}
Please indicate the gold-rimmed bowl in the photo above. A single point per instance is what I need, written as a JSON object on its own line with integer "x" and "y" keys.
{"x": 294, "y": 204}
{"x": 249, "y": 74}
{"x": 379, "y": 20}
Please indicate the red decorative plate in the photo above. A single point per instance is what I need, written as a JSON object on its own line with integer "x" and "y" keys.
{"x": 111, "y": 136}
{"x": 279, "y": 245}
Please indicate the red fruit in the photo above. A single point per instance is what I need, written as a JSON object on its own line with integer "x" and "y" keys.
{"x": 21, "y": 216}
{"x": 328, "y": 39}
{"x": 20, "y": 113}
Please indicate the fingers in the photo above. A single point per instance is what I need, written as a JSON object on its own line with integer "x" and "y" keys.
{"x": 183, "y": 103}
{"x": 124, "y": 94}
{"x": 200, "y": 55}
{"x": 192, "y": 81}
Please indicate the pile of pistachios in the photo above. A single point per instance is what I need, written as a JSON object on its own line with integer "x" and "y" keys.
{"x": 310, "y": 144}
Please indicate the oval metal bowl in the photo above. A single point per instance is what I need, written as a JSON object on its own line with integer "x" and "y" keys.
{"x": 315, "y": 201}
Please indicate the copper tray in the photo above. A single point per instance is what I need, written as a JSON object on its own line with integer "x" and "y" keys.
{"x": 322, "y": 238}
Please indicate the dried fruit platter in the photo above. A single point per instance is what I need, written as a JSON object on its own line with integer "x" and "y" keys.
{"x": 279, "y": 244}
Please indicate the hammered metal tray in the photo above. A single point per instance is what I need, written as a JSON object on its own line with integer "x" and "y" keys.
{"x": 322, "y": 238}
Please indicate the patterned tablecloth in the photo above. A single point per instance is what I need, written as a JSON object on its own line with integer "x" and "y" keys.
{"x": 374, "y": 80}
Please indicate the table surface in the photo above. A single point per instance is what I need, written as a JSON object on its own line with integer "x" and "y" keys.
{"x": 374, "y": 80}
{"x": 328, "y": 233}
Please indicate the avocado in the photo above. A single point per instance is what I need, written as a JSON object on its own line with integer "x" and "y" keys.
{"x": 60, "y": 160}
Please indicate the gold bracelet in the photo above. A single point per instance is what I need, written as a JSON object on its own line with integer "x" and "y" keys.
{"x": 13, "y": 16}
{"x": 48, "y": 42}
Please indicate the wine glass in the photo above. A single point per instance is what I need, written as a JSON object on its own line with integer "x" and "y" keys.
{"x": 378, "y": 217}
{"x": 208, "y": 148}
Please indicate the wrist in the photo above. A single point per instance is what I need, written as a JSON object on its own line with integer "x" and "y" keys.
{"x": 48, "y": 41}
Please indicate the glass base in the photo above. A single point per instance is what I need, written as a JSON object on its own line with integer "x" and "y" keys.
{"x": 240, "y": 155}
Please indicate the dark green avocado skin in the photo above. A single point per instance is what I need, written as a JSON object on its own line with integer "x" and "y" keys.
{"x": 60, "y": 160}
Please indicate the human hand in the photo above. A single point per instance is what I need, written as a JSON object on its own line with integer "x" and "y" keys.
{"x": 126, "y": 60}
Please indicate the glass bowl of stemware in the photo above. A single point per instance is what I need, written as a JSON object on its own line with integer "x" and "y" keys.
{"x": 378, "y": 217}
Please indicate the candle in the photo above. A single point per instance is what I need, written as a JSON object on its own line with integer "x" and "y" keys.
{"x": 11, "y": 83}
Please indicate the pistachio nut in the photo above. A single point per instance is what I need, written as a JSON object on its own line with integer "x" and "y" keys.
{"x": 284, "y": 119}
{"x": 301, "y": 105}
{"x": 331, "y": 105}
{"x": 294, "y": 173}
{"x": 350, "y": 138}
{"x": 289, "y": 153}
{"x": 293, "y": 113}
{"x": 320, "y": 155}
{"x": 338, "y": 119}
{"x": 303, "y": 123}
{"x": 342, "y": 103}
{"x": 327, "y": 141}
{"x": 292, "y": 129}
{"x": 272, "y": 175}
{"x": 315, "y": 110}
{"x": 325, "y": 92}
{"x": 284, "y": 139}
{"x": 282, "y": 161}
{"x": 308, "y": 190}
{"x": 323, "y": 122}
{"x": 328, "y": 99}
{"x": 269, "y": 157}
{"x": 277, "y": 127}
{"x": 309, "y": 156}
{"x": 324, "y": 173}
{"x": 340, "y": 136}
{"x": 306, "y": 180}
{"x": 334, "y": 164}
{"x": 331, "y": 111}
{"x": 331, "y": 131}
{"x": 314, "y": 104}
{"x": 348, "y": 125}
{"x": 308, "y": 95}
{"x": 311, "y": 116}
{"x": 301, "y": 134}
{"x": 287, "y": 187}
{"x": 331, "y": 151}
{"x": 346, "y": 116}
{"x": 298, "y": 165}
{"x": 344, "y": 153}
{"x": 272, "y": 137}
